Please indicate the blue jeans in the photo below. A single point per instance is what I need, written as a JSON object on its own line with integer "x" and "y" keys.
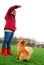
{"x": 7, "y": 39}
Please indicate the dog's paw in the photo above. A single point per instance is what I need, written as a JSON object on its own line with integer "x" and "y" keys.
{"x": 17, "y": 58}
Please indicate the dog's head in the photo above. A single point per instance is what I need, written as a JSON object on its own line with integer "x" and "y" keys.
{"x": 23, "y": 42}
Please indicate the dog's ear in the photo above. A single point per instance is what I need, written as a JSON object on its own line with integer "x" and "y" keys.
{"x": 23, "y": 41}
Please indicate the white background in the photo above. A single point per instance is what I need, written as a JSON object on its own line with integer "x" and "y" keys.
{"x": 29, "y": 18}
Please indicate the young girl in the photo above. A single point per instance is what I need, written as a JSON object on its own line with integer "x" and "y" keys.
{"x": 9, "y": 29}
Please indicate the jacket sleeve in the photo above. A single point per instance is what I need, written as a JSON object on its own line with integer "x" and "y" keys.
{"x": 10, "y": 10}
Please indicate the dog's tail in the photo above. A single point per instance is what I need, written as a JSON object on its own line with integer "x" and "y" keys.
{"x": 29, "y": 50}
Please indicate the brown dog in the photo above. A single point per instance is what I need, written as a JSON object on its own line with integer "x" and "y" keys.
{"x": 24, "y": 52}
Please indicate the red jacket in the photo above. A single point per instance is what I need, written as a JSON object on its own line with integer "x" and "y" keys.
{"x": 10, "y": 19}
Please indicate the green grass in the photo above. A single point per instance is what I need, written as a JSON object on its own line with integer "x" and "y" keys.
{"x": 36, "y": 59}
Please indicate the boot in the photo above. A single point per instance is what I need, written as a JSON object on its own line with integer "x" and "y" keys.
{"x": 4, "y": 52}
{"x": 9, "y": 52}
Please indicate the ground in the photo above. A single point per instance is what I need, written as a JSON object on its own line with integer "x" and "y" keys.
{"x": 36, "y": 59}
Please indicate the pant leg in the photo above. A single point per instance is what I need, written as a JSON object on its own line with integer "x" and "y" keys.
{"x": 6, "y": 38}
{"x": 10, "y": 39}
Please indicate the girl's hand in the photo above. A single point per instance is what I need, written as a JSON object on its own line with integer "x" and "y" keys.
{"x": 19, "y": 6}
